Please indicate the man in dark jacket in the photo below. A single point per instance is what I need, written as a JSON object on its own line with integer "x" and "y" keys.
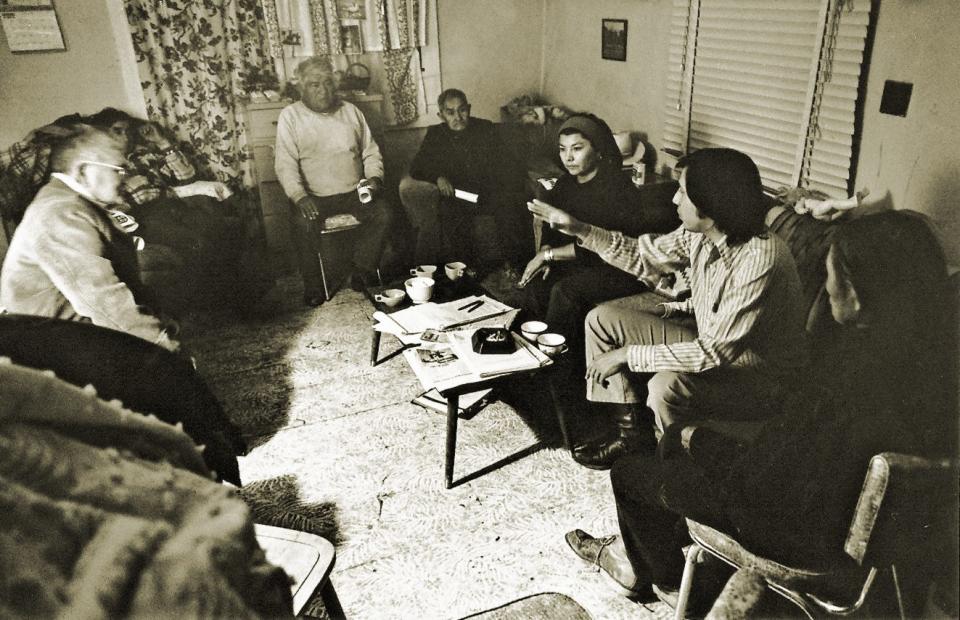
{"x": 462, "y": 172}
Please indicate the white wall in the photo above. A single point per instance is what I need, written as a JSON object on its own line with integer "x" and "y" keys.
{"x": 95, "y": 71}
{"x": 491, "y": 50}
{"x": 916, "y": 159}
{"x": 625, "y": 94}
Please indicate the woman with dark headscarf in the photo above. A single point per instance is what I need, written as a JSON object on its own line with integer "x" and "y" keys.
{"x": 564, "y": 281}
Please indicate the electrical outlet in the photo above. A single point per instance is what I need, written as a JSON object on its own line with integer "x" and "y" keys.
{"x": 290, "y": 37}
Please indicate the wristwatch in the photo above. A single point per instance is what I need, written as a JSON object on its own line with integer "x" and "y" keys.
{"x": 548, "y": 255}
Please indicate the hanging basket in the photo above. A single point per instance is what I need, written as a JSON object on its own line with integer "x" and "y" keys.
{"x": 356, "y": 77}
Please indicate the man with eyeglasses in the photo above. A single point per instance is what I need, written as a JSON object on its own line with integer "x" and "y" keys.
{"x": 68, "y": 258}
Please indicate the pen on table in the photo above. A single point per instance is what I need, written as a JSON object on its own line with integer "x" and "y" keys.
{"x": 475, "y": 306}
{"x": 475, "y": 303}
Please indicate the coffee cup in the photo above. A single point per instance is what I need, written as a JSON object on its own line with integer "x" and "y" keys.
{"x": 420, "y": 289}
{"x": 390, "y": 297}
{"x": 424, "y": 271}
{"x": 455, "y": 270}
{"x": 552, "y": 344}
{"x": 364, "y": 192}
{"x": 532, "y": 329}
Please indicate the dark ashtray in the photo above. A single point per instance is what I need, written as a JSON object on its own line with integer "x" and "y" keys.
{"x": 496, "y": 340}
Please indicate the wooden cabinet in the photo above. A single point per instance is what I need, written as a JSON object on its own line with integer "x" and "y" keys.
{"x": 261, "y": 121}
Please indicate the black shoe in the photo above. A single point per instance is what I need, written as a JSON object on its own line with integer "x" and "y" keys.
{"x": 616, "y": 570}
{"x": 601, "y": 454}
{"x": 313, "y": 300}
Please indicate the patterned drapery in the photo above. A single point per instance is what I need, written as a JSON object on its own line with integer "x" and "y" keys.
{"x": 391, "y": 28}
{"x": 194, "y": 57}
{"x": 402, "y": 29}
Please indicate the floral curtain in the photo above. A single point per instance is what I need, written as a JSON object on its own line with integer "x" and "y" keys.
{"x": 194, "y": 58}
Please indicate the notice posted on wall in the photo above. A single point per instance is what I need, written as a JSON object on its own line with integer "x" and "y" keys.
{"x": 32, "y": 30}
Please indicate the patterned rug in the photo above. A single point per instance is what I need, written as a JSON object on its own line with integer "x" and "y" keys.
{"x": 338, "y": 449}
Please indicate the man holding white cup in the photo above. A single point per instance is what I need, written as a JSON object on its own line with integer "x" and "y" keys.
{"x": 329, "y": 164}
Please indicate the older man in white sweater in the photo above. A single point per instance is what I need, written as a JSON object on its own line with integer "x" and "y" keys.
{"x": 325, "y": 154}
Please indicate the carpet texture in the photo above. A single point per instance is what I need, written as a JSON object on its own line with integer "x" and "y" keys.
{"x": 337, "y": 449}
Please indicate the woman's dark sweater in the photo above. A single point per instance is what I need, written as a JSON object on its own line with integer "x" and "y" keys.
{"x": 608, "y": 200}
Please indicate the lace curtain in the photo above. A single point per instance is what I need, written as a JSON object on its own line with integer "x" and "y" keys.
{"x": 194, "y": 57}
{"x": 393, "y": 29}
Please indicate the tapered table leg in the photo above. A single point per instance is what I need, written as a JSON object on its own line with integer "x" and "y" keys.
{"x": 453, "y": 404}
{"x": 374, "y": 348}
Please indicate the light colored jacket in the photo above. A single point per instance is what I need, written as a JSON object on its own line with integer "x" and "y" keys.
{"x": 67, "y": 260}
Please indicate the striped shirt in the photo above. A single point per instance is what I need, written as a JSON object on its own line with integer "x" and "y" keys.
{"x": 746, "y": 299}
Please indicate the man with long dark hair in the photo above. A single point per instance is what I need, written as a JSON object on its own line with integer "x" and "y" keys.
{"x": 747, "y": 339}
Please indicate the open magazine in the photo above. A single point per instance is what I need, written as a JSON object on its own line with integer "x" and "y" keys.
{"x": 469, "y": 311}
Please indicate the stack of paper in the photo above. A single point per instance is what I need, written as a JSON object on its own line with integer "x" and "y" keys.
{"x": 525, "y": 357}
{"x": 442, "y": 317}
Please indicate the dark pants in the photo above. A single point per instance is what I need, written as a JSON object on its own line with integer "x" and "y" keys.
{"x": 369, "y": 236}
{"x": 448, "y": 229}
{"x": 568, "y": 294}
{"x": 651, "y": 496}
{"x": 144, "y": 377}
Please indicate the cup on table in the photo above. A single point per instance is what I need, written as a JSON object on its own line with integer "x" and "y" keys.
{"x": 532, "y": 329}
{"x": 420, "y": 289}
{"x": 390, "y": 297}
{"x": 364, "y": 192}
{"x": 552, "y": 344}
{"x": 455, "y": 270}
{"x": 424, "y": 271}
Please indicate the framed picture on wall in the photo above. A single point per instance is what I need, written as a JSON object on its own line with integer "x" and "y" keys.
{"x": 613, "y": 39}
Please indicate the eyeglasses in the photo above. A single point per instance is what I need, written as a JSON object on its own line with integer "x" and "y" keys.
{"x": 120, "y": 170}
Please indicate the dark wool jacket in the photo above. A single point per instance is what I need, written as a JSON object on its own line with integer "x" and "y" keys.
{"x": 473, "y": 159}
{"x": 791, "y": 493}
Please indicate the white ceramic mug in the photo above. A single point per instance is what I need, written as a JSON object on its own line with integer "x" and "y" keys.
{"x": 455, "y": 270}
{"x": 532, "y": 329}
{"x": 424, "y": 271}
{"x": 390, "y": 297}
{"x": 420, "y": 289}
{"x": 552, "y": 344}
{"x": 364, "y": 192}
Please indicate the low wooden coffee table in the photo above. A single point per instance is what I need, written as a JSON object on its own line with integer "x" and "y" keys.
{"x": 449, "y": 291}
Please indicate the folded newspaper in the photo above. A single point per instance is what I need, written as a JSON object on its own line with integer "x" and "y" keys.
{"x": 473, "y": 311}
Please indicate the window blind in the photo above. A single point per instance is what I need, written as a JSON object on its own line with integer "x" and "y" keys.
{"x": 829, "y": 151}
{"x": 776, "y": 80}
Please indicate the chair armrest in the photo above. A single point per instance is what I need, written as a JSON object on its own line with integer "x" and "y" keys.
{"x": 903, "y": 506}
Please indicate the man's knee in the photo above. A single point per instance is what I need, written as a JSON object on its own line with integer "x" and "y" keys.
{"x": 420, "y": 199}
{"x": 667, "y": 397}
{"x": 599, "y": 321}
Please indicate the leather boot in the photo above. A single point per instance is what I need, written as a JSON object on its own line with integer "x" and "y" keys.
{"x": 633, "y": 436}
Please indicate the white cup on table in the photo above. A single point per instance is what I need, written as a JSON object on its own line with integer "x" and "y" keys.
{"x": 552, "y": 344}
{"x": 531, "y": 329}
{"x": 424, "y": 271}
{"x": 454, "y": 270}
{"x": 420, "y": 289}
{"x": 390, "y": 297}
